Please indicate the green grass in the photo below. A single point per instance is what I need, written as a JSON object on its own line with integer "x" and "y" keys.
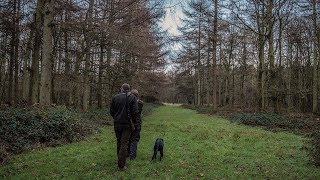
{"x": 196, "y": 146}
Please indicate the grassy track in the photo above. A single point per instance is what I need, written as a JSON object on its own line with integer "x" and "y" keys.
{"x": 196, "y": 146}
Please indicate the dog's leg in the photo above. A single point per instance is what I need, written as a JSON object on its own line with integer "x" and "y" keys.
{"x": 154, "y": 155}
{"x": 161, "y": 154}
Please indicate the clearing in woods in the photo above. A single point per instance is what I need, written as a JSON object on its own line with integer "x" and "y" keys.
{"x": 196, "y": 146}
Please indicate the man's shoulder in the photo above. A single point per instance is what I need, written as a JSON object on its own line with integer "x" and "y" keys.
{"x": 118, "y": 97}
{"x": 131, "y": 96}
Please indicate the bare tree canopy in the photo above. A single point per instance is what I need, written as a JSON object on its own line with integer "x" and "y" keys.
{"x": 248, "y": 55}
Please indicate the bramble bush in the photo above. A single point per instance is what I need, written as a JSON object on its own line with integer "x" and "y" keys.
{"x": 199, "y": 109}
{"x": 25, "y": 129}
{"x": 315, "y": 150}
{"x": 149, "y": 107}
{"x": 270, "y": 121}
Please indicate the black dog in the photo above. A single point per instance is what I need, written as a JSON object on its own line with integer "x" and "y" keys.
{"x": 158, "y": 146}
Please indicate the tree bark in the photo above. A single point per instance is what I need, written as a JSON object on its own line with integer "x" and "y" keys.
{"x": 34, "y": 81}
{"x": 289, "y": 67}
{"x": 198, "y": 74}
{"x": 86, "y": 91}
{"x": 67, "y": 66}
{"x": 208, "y": 76}
{"x": 13, "y": 55}
{"x": 16, "y": 52}
{"x": 315, "y": 60}
{"x": 100, "y": 76}
{"x": 26, "y": 63}
{"x": 243, "y": 72}
{"x": 47, "y": 64}
{"x": 214, "y": 58}
{"x": 76, "y": 76}
{"x": 273, "y": 78}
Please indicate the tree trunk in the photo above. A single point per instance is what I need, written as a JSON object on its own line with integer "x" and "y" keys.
{"x": 261, "y": 76}
{"x": 3, "y": 72}
{"x": 228, "y": 69}
{"x": 86, "y": 91}
{"x": 273, "y": 78}
{"x": 280, "y": 80}
{"x": 67, "y": 67}
{"x": 46, "y": 74}
{"x": 208, "y": 76}
{"x": 26, "y": 63}
{"x": 76, "y": 89}
{"x": 226, "y": 98}
{"x": 233, "y": 86}
{"x": 243, "y": 73}
{"x": 261, "y": 43}
{"x": 100, "y": 76}
{"x": 199, "y": 63}
{"x": 34, "y": 81}
{"x": 315, "y": 61}
{"x": 13, "y": 55}
{"x": 16, "y": 52}
{"x": 289, "y": 67}
{"x": 214, "y": 58}
{"x": 220, "y": 99}
{"x": 108, "y": 70}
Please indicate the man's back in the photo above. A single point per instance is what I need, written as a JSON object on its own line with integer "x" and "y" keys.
{"x": 140, "y": 106}
{"x": 120, "y": 106}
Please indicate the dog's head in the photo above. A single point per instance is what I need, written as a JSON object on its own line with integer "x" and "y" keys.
{"x": 159, "y": 139}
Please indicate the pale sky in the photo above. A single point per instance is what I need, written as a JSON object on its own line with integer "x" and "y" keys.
{"x": 172, "y": 20}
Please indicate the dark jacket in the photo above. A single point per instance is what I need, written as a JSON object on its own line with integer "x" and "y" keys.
{"x": 118, "y": 109}
{"x": 139, "y": 119}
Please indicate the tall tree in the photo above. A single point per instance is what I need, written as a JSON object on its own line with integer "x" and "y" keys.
{"x": 273, "y": 85}
{"x": 47, "y": 56}
{"x": 88, "y": 40}
{"x": 26, "y": 64}
{"x": 34, "y": 80}
{"x": 316, "y": 48}
{"x": 214, "y": 57}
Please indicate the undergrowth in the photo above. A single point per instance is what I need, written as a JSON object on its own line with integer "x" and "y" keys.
{"x": 196, "y": 146}
{"x": 23, "y": 129}
{"x": 276, "y": 122}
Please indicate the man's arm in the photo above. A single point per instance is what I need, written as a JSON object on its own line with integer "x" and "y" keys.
{"x": 112, "y": 108}
{"x": 140, "y": 106}
{"x": 134, "y": 108}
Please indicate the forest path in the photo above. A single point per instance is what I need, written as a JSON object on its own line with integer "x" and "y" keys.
{"x": 196, "y": 146}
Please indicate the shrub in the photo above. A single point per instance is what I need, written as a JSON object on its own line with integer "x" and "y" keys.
{"x": 23, "y": 129}
{"x": 315, "y": 151}
{"x": 3, "y": 153}
{"x": 148, "y": 108}
{"x": 259, "y": 119}
{"x": 96, "y": 118}
{"x": 59, "y": 125}
{"x": 150, "y": 99}
{"x": 273, "y": 121}
{"x": 199, "y": 109}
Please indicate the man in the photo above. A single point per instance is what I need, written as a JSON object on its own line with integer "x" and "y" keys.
{"x": 123, "y": 109}
{"x": 135, "y": 135}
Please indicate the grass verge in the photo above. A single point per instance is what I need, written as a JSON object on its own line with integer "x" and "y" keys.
{"x": 196, "y": 146}
{"x": 24, "y": 129}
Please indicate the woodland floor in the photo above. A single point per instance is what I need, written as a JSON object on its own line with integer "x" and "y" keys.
{"x": 196, "y": 146}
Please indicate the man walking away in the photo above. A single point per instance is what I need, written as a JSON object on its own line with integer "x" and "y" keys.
{"x": 123, "y": 109}
{"x": 135, "y": 135}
